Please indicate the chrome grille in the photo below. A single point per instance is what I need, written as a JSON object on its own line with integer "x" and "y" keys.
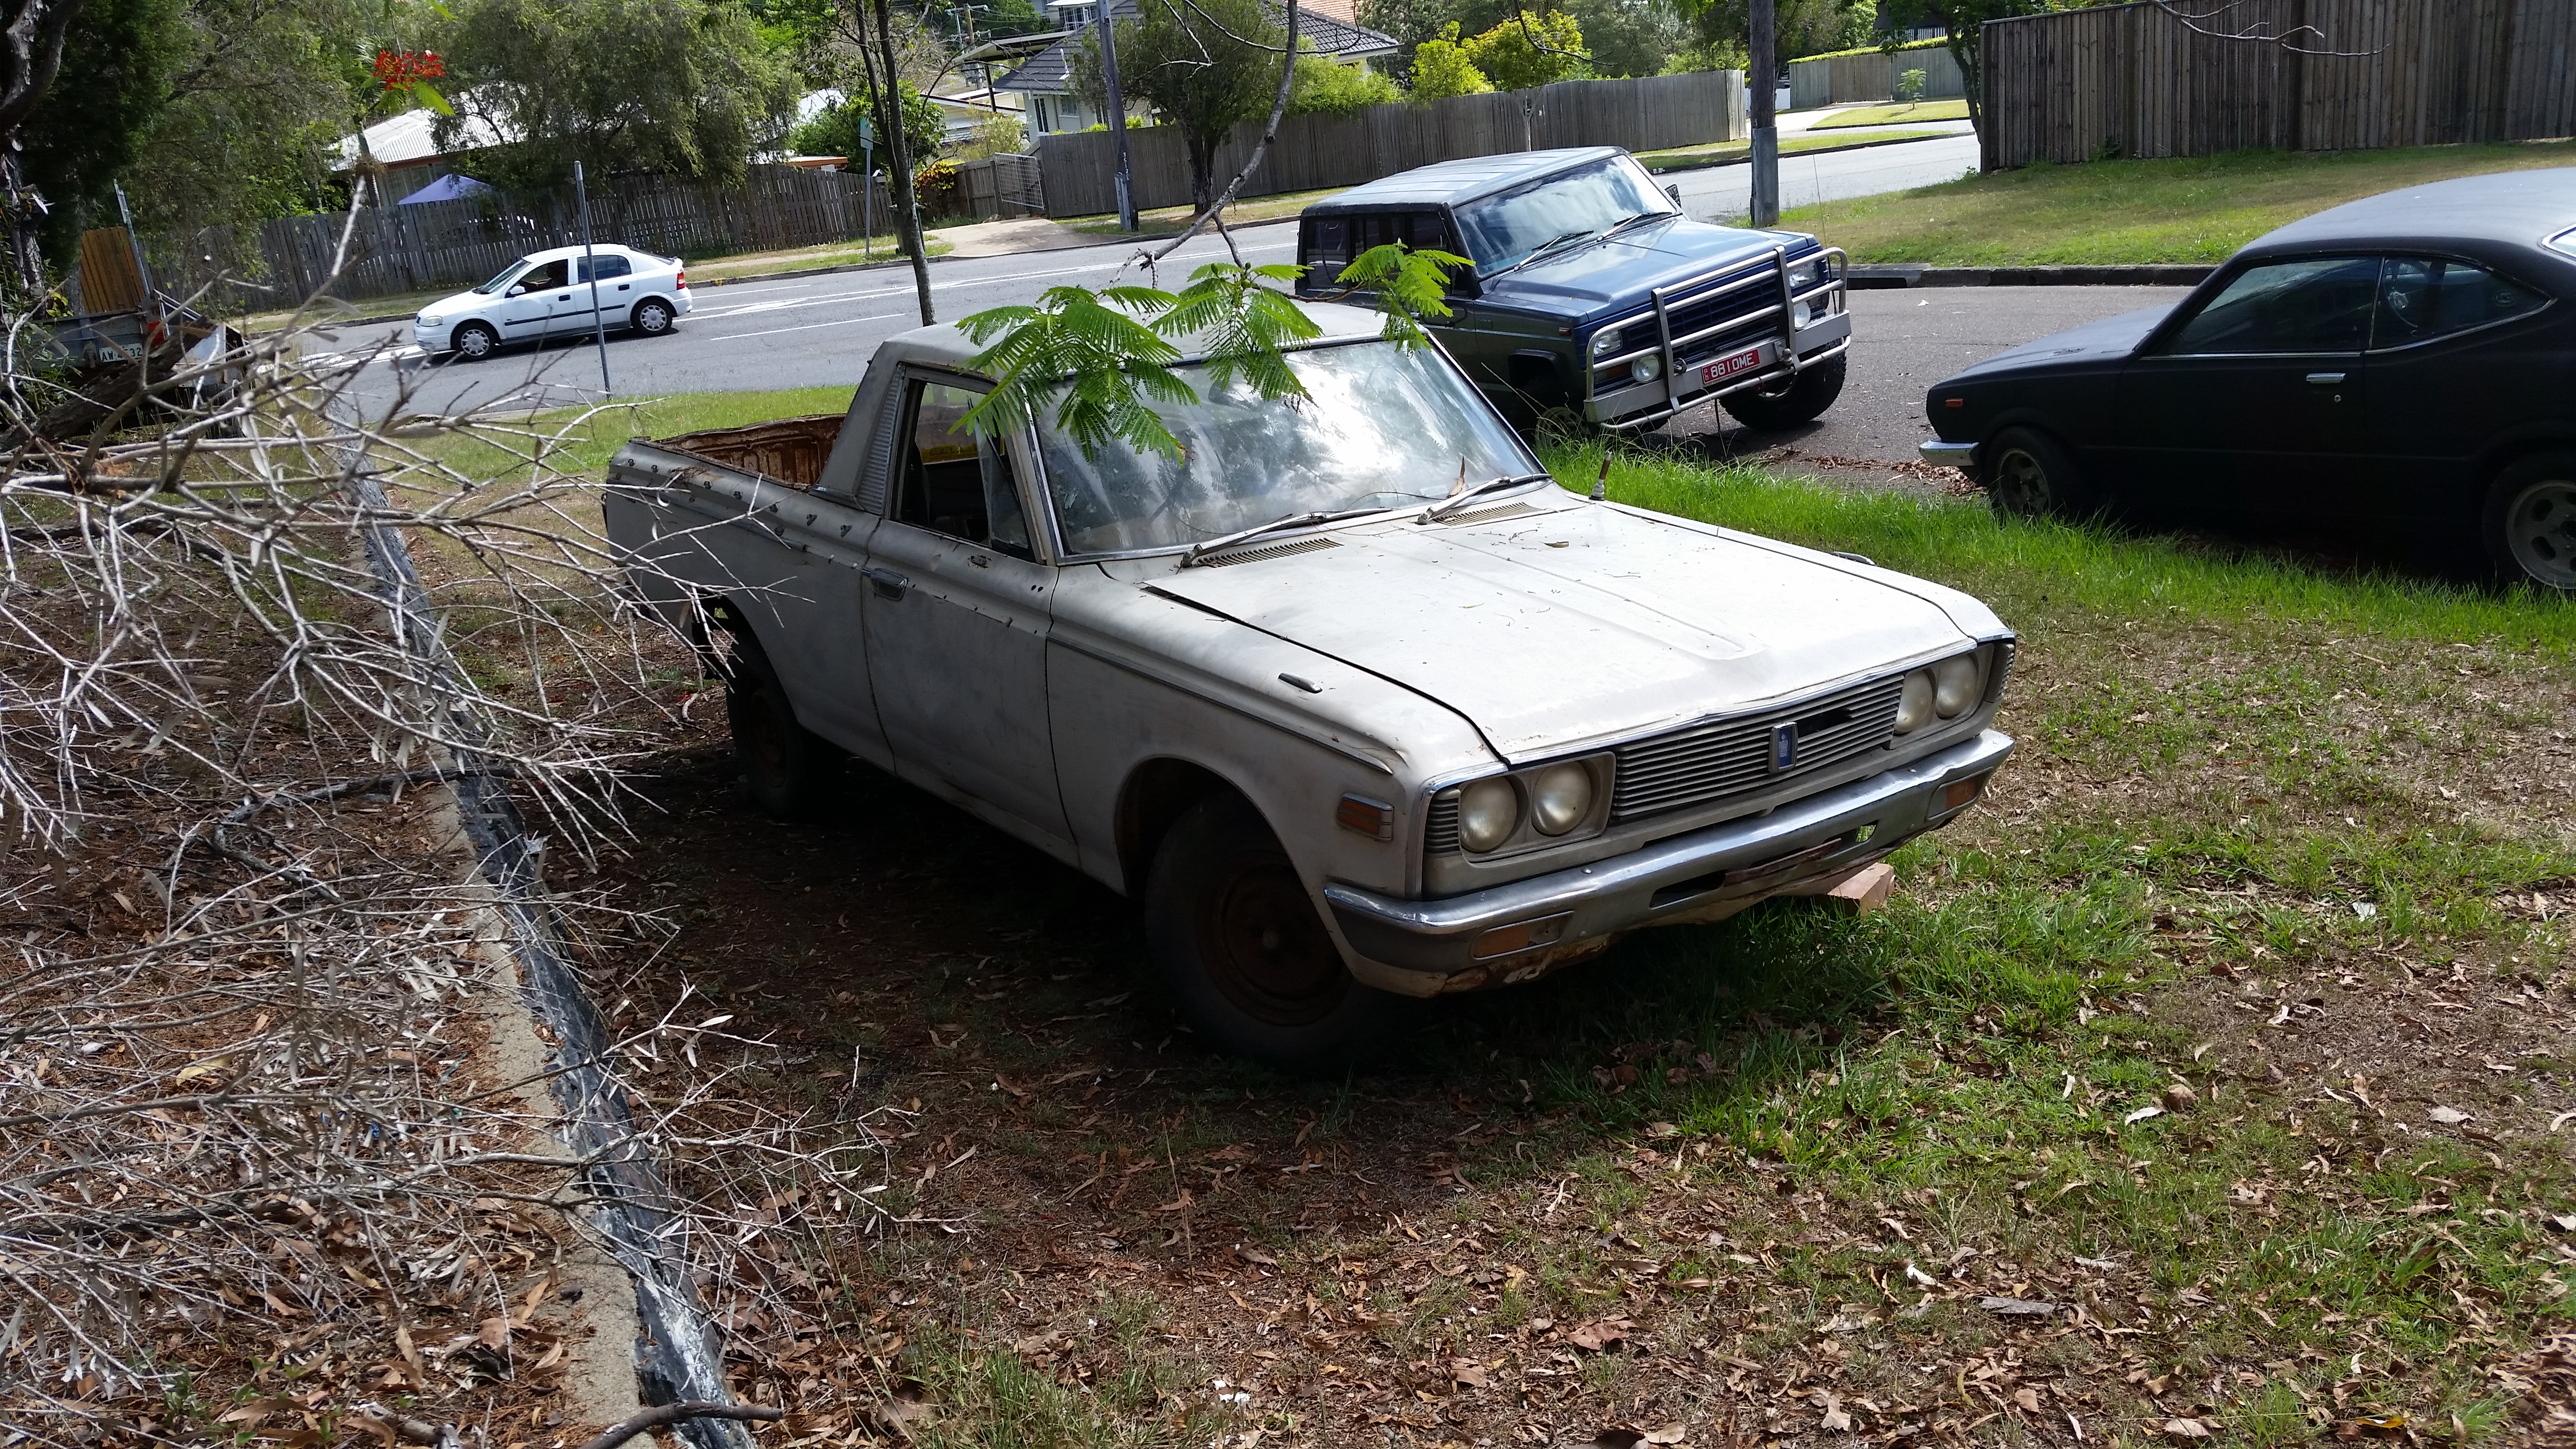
{"x": 1728, "y": 299}
{"x": 1709, "y": 762}
{"x": 1440, "y": 827}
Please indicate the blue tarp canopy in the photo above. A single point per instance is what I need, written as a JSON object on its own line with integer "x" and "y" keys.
{"x": 450, "y": 187}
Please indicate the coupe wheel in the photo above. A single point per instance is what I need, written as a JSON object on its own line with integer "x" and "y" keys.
{"x": 474, "y": 341}
{"x": 787, "y": 770}
{"x": 652, "y": 317}
{"x": 1237, "y": 939}
{"x": 1791, "y": 402}
{"x": 2028, "y": 475}
{"x": 2531, "y": 522}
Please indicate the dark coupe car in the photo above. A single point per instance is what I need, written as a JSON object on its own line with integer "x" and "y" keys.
{"x": 2404, "y": 364}
{"x": 1592, "y": 294}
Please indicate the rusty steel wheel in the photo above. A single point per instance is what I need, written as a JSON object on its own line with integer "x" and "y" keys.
{"x": 1237, "y": 938}
{"x": 787, "y": 770}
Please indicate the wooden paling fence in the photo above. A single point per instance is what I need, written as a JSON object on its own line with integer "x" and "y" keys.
{"x": 460, "y": 243}
{"x": 1837, "y": 80}
{"x": 1317, "y": 151}
{"x": 2133, "y": 80}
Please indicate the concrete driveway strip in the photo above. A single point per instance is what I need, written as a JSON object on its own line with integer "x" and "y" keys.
{"x": 1719, "y": 193}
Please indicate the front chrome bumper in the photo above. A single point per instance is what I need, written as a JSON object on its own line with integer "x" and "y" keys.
{"x": 1944, "y": 453}
{"x": 1781, "y": 355}
{"x": 1518, "y": 931}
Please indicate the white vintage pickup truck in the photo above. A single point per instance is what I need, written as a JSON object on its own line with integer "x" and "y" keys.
{"x": 1358, "y": 700}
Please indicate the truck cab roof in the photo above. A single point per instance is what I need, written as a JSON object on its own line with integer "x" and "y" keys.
{"x": 1448, "y": 183}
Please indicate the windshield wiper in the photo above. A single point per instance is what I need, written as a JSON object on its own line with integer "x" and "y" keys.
{"x": 1623, "y": 225}
{"x": 1455, "y": 501}
{"x": 1294, "y": 520}
{"x": 1551, "y": 244}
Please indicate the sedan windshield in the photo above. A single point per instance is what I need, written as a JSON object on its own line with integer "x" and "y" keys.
{"x": 1507, "y": 229}
{"x": 503, "y": 279}
{"x": 1385, "y": 429}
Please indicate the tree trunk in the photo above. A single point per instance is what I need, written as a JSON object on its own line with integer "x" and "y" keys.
{"x": 1202, "y": 172}
{"x": 31, "y": 49}
{"x": 907, "y": 213}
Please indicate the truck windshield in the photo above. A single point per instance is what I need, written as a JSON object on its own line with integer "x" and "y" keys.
{"x": 1386, "y": 428}
{"x": 1503, "y": 230}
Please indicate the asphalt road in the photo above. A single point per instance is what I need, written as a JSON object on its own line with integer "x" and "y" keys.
{"x": 1904, "y": 341}
{"x": 814, "y": 331}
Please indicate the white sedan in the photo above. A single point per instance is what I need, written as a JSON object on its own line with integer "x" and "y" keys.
{"x": 548, "y": 294}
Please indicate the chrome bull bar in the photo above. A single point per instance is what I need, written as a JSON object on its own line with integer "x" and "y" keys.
{"x": 1832, "y": 293}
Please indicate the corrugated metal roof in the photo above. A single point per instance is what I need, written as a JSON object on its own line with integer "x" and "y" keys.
{"x": 1049, "y": 71}
{"x": 405, "y": 139}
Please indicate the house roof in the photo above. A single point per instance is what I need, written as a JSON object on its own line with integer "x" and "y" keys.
{"x": 1050, "y": 70}
{"x": 406, "y": 140}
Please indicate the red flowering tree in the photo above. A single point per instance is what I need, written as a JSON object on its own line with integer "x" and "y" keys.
{"x": 405, "y": 76}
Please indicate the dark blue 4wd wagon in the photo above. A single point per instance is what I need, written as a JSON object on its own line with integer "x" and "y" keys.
{"x": 1592, "y": 295}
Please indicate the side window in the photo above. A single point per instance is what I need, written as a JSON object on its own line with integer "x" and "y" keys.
{"x": 546, "y": 277}
{"x": 1327, "y": 250}
{"x": 2314, "y": 304}
{"x": 2421, "y": 298}
{"x": 954, "y": 481}
{"x": 610, "y": 265}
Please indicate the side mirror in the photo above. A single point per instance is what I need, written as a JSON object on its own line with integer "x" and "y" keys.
{"x": 514, "y": 291}
{"x": 1674, "y": 190}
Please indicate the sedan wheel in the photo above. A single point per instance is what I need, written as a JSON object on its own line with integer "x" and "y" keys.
{"x": 652, "y": 317}
{"x": 2531, "y": 522}
{"x": 474, "y": 341}
{"x": 1238, "y": 940}
{"x": 2027, "y": 475}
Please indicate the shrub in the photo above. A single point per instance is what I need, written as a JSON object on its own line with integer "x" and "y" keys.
{"x": 1909, "y": 86}
{"x": 1331, "y": 88}
{"x": 1442, "y": 68}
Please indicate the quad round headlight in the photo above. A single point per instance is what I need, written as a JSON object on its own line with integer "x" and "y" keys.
{"x": 1914, "y": 704}
{"x": 1605, "y": 342}
{"x": 1488, "y": 812}
{"x": 1802, "y": 314}
{"x": 1955, "y": 685}
{"x": 1560, "y": 798}
{"x": 1647, "y": 368}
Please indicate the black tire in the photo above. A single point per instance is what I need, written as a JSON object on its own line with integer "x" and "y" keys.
{"x": 2529, "y": 523}
{"x": 1236, "y": 937}
{"x": 787, "y": 770}
{"x": 474, "y": 341}
{"x": 652, "y": 317}
{"x": 2028, "y": 474}
{"x": 1792, "y": 403}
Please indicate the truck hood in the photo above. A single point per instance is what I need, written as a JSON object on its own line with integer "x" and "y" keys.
{"x": 1552, "y": 631}
{"x": 1592, "y": 276}
{"x": 2108, "y": 340}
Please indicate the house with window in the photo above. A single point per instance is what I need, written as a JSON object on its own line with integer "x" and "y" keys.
{"x": 1046, "y": 78}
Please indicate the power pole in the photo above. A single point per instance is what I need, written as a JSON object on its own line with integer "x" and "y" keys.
{"x": 1117, "y": 116}
{"x": 1764, "y": 78}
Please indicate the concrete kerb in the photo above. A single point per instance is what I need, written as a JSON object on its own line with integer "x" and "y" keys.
{"x": 1878, "y": 276}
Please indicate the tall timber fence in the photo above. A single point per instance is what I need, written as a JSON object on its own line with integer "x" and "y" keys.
{"x": 2133, "y": 80}
{"x": 1836, "y": 80}
{"x": 1318, "y": 150}
{"x": 459, "y": 243}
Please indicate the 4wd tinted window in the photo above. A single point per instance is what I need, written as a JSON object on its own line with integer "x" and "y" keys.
{"x": 1331, "y": 241}
{"x": 2421, "y": 298}
{"x": 955, "y": 481}
{"x": 2313, "y": 304}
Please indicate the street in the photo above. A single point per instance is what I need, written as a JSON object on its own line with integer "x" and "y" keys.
{"x": 811, "y": 331}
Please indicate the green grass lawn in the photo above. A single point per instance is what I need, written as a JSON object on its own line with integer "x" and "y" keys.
{"x": 1897, "y": 115}
{"x": 1789, "y": 146}
{"x": 2284, "y": 854}
{"x": 1171, "y": 218}
{"x": 2187, "y": 209}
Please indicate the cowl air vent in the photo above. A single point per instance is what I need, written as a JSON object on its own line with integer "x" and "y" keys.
{"x": 1231, "y": 557}
{"x": 1488, "y": 515}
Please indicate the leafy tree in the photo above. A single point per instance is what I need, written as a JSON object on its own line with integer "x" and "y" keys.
{"x": 1331, "y": 88}
{"x": 1806, "y": 27}
{"x": 1530, "y": 49}
{"x": 117, "y": 60}
{"x": 1628, "y": 37}
{"x": 1442, "y": 67}
{"x": 1966, "y": 20}
{"x": 1205, "y": 64}
{"x": 683, "y": 87}
{"x": 835, "y": 132}
{"x": 259, "y": 101}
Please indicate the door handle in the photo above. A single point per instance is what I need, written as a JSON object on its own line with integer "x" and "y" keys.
{"x": 888, "y": 583}
{"x": 2325, "y": 379}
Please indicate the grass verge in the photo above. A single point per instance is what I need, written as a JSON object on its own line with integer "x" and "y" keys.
{"x": 2185, "y": 209}
{"x": 1898, "y": 115}
{"x": 1259, "y": 208}
{"x": 2282, "y": 857}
